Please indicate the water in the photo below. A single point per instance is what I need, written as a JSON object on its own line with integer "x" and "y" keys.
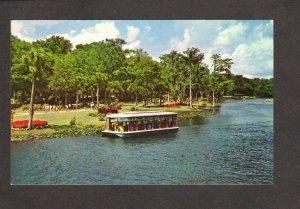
{"x": 234, "y": 146}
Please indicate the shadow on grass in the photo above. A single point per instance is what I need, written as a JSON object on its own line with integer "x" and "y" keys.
{"x": 59, "y": 127}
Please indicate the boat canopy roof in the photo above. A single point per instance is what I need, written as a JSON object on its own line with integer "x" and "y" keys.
{"x": 135, "y": 114}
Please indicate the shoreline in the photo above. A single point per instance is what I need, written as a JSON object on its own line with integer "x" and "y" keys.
{"x": 80, "y": 129}
{"x": 62, "y": 132}
{"x": 59, "y": 130}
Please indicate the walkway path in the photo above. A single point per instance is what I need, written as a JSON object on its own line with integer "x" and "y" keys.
{"x": 43, "y": 113}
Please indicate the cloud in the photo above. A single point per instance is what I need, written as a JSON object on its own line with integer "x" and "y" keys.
{"x": 16, "y": 30}
{"x": 230, "y": 36}
{"x": 132, "y": 33}
{"x": 250, "y": 48}
{"x": 25, "y": 29}
{"x": 133, "y": 45}
{"x": 203, "y": 32}
{"x": 180, "y": 45}
{"x": 254, "y": 59}
{"x": 132, "y": 38}
{"x": 98, "y": 32}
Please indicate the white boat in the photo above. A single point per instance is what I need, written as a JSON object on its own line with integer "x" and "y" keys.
{"x": 139, "y": 123}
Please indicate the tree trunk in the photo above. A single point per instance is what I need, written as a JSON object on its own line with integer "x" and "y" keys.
{"x": 213, "y": 104}
{"x": 92, "y": 95}
{"x": 136, "y": 99}
{"x": 174, "y": 96}
{"x": 160, "y": 98}
{"x": 98, "y": 87}
{"x": 77, "y": 100}
{"x": 59, "y": 99}
{"x": 168, "y": 96}
{"x": 55, "y": 97}
{"x": 66, "y": 98}
{"x": 191, "y": 105}
{"x": 31, "y": 107}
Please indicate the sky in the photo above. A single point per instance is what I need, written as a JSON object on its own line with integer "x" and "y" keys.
{"x": 249, "y": 43}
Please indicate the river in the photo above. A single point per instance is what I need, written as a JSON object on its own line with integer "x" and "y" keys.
{"x": 234, "y": 146}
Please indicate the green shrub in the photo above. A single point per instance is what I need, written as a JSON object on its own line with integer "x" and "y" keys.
{"x": 93, "y": 114}
{"x": 38, "y": 107}
{"x": 101, "y": 116}
{"x": 117, "y": 105}
{"x": 25, "y": 107}
{"x": 15, "y": 106}
{"x": 134, "y": 109}
{"x": 73, "y": 121}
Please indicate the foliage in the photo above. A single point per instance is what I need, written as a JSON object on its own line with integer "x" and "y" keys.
{"x": 134, "y": 109}
{"x": 73, "y": 121}
{"x": 36, "y": 107}
{"x": 101, "y": 116}
{"x": 52, "y": 71}
{"x": 68, "y": 131}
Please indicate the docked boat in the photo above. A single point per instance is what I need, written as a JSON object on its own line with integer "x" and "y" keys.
{"x": 139, "y": 123}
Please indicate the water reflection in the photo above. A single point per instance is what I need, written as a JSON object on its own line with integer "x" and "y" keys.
{"x": 145, "y": 139}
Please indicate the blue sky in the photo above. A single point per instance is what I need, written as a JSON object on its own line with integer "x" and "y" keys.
{"x": 248, "y": 42}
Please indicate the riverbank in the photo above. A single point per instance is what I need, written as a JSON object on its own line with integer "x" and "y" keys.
{"x": 59, "y": 123}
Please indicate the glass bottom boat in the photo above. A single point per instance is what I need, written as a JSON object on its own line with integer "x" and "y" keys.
{"x": 140, "y": 123}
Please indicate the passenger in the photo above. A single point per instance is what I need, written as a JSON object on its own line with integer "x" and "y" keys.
{"x": 121, "y": 128}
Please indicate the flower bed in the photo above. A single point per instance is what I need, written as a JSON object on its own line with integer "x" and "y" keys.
{"x": 172, "y": 106}
{"x": 24, "y": 124}
{"x": 105, "y": 110}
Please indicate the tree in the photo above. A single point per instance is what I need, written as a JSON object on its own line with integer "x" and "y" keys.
{"x": 193, "y": 58}
{"x": 222, "y": 71}
{"x": 55, "y": 45}
{"x": 220, "y": 65}
{"x": 35, "y": 62}
{"x": 113, "y": 59}
{"x": 214, "y": 84}
{"x": 20, "y": 87}
{"x": 198, "y": 79}
{"x": 141, "y": 75}
{"x": 174, "y": 72}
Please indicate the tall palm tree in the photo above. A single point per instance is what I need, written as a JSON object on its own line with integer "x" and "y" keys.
{"x": 34, "y": 62}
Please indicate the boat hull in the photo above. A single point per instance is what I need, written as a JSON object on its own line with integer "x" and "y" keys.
{"x": 138, "y": 133}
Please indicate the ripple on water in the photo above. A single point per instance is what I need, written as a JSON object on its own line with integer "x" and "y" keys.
{"x": 235, "y": 146}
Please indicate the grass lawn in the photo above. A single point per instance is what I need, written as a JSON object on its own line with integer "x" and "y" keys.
{"x": 59, "y": 125}
{"x": 63, "y": 118}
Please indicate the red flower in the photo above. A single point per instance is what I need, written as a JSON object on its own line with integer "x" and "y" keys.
{"x": 24, "y": 123}
{"x": 172, "y": 106}
{"x": 105, "y": 110}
